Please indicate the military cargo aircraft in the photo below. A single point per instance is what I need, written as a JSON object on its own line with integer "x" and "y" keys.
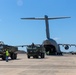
{"x": 50, "y": 45}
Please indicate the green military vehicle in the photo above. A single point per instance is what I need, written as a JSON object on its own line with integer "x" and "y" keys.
{"x": 35, "y": 51}
{"x": 12, "y": 51}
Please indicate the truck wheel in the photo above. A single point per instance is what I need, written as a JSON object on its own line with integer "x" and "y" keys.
{"x": 28, "y": 56}
{"x": 3, "y": 57}
{"x": 36, "y": 56}
{"x": 15, "y": 56}
{"x": 12, "y": 56}
{"x": 42, "y": 55}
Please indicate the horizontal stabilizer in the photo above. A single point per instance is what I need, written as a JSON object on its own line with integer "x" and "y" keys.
{"x": 33, "y": 18}
{"x": 58, "y": 18}
{"x": 44, "y": 18}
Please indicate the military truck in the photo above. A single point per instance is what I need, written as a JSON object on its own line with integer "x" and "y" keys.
{"x": 12, "y": 51}
{"x": 35, "y": 51}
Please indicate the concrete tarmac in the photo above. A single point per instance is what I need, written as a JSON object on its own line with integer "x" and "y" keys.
{"x": 51, "y": 65}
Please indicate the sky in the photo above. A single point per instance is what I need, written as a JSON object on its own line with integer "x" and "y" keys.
{"x": 14, "y": 31}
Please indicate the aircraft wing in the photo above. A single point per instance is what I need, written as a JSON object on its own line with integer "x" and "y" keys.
{"x": 21, "y": 46}
{"x": 68, "y": 44}
{"x": 40, "y": 44}
{"x": 27, "y": 45}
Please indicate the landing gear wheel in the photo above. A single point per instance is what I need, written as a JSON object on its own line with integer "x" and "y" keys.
{"x": 3, "y": 57}
{"x": 42, "y": 55}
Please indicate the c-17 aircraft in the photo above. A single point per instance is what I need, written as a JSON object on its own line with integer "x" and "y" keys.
{"x": 50, "y": 45}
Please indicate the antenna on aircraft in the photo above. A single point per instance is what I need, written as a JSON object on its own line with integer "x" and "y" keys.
{"x": 46, "y": 22}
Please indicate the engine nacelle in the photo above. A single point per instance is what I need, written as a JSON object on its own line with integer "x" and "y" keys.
{"x": 66, "y": 47}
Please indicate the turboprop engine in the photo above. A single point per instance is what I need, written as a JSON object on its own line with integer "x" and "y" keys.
{"x": 51, "y": 47}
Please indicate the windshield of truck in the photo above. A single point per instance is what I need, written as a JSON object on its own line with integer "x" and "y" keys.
{"x": 1, "y": 47}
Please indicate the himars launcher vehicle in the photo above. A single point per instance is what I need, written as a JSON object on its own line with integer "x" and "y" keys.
{"x": 35, "y": 51}
{"x": 12, "y": 51}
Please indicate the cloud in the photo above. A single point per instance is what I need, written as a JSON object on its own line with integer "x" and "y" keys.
{"x": 19, "y": 2}
{"x": 56, "y": 38}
